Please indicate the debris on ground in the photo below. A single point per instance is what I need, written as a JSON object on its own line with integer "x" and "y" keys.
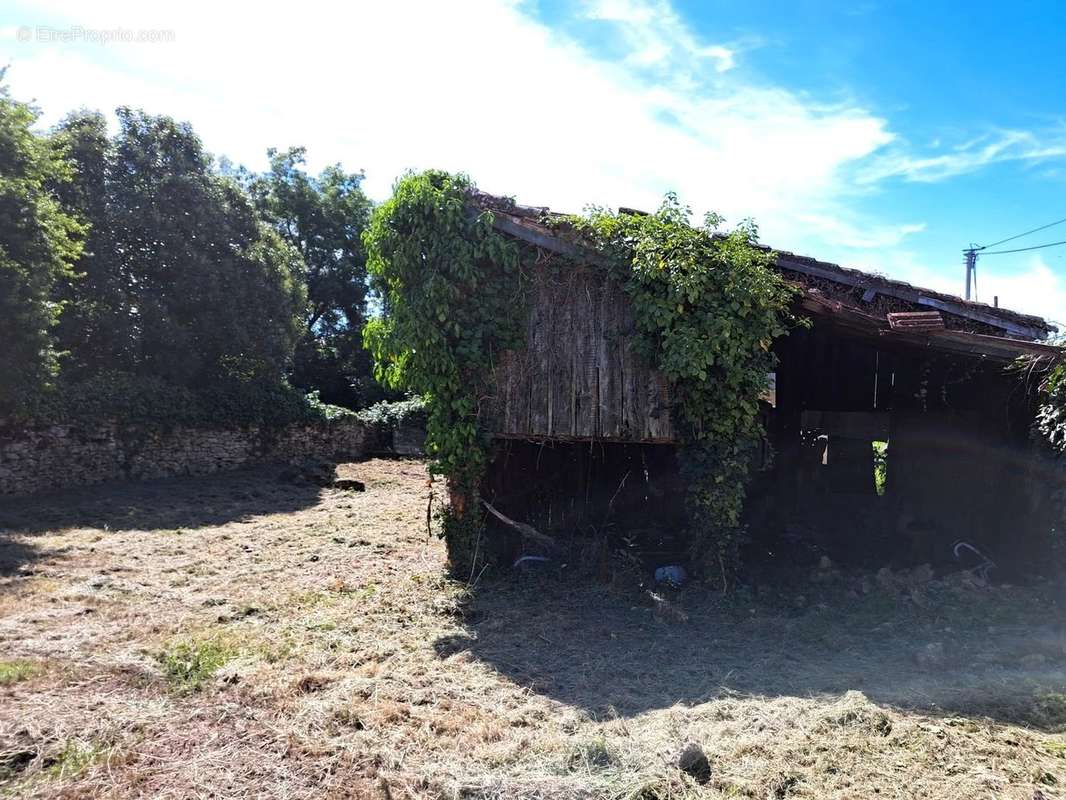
{"x": 349, "y": 484}
{"x": 695, "y": 763}
{"x": 672, "y": 575}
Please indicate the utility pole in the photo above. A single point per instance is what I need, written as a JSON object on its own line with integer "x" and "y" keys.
{"x": 971, "y": 269}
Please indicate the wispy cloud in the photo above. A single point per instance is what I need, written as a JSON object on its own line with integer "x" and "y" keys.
{"x": 992, "y": 148}
{"x": 657, "y": 36}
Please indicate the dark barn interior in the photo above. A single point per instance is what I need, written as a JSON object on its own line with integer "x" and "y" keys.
{"x": 898, "y": 431}
{"x": 892, "y": 455}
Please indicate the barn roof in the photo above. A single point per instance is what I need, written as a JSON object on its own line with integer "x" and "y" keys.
{"x": 870, "y": 304}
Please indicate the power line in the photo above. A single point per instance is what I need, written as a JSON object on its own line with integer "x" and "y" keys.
{"x": 974, "y": 250}
{"x": 1020, "y": 249}
{"x": 1020, "y": 235}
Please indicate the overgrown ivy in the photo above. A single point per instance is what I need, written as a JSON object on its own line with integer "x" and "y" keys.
{"x": 450, "y": 289}
{"x": 1051, "y": 416}
{"x": 1050, "y": 434}
{"x": 708, "y": 308}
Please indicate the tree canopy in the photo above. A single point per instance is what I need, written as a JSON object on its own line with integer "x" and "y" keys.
{"x": 39, "y": 241}
{"x": 180, "y": 278}
{"x": 323, "y": 218}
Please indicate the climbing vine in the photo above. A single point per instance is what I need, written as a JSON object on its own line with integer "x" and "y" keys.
{"x": 1050, "y": 434}
{"x": 707, "y": 306}
{"x": 1051, "y": 416}
{"x": 448, "y": 285}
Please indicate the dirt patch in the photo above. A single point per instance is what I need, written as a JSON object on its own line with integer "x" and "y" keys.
{"x": 240, "y": 636}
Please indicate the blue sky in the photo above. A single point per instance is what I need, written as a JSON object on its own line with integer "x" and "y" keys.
{"x": 883, "y": 136}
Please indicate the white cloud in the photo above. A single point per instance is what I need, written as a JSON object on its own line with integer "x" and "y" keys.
{"x": 1036, "y": 288}
{"x": 482, "y": 87}
{"x": 477, "y": 86}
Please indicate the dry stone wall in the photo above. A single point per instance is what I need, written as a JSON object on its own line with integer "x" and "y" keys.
{"x": 54, "y": 457}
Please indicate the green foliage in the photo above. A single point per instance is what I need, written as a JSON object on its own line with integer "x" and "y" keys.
{"x": 323, "y": 219}
{"x": 38, "y": 243}
{"x": 75, "y": 757}
{"x": 188, "y": 665}
{"x": 1050, "y": 432}
{"x": 449, "y": 286}
{"x": 15, "y": 671}
{"x": 1051, "y": 416}
{"x": 880, "y": 467}
{"x": 388, "y": 416}
{"x": 708, "y": 308}
{"x": 180, "y": 279}
{"x": 151, "y": 400}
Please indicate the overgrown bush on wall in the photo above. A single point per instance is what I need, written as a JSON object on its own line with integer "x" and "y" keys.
{"x": 384, "y": 418}
{"x": 708, "y": 308}
{"x": 119, "y": 396}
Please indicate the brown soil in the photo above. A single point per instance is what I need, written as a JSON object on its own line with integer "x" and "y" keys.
{"x": 236, "y": 636}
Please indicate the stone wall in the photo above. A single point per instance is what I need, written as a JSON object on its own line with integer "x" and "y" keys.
{"x": 57, "y": 456}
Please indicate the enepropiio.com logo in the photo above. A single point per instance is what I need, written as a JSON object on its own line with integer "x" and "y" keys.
{"x": 77, "y": 34}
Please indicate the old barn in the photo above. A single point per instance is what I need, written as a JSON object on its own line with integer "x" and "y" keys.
{"x": 897, "y": 424}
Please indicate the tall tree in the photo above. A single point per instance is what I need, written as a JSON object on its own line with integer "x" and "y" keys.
{"x": 182, "y": 280}
{"x": 96, "y": 326}
{"x": 38, "y": 243}
{"x": 323, "y": 218}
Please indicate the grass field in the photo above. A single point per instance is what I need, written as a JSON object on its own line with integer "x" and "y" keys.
{"x": 235, "y": 636}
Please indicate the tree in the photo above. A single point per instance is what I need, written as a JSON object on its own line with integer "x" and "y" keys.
{"x": 38, "y": 243}
{"x": 323, "y": 219}
{"x": 96, "y": 326}
{"x": 182, "y": 281}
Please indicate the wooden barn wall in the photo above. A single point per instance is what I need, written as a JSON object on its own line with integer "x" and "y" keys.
{"x": 579, "y": 376}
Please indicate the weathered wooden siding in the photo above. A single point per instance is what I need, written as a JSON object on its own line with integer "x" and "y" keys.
{"x": 578, "y": 376}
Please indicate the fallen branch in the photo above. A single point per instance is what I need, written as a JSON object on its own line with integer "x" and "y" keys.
{"x": 526, "y": 530}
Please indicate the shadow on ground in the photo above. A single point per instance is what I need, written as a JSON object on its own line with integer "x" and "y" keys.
{"x": 165, "y": 504}
{"x": 988, "y": 653}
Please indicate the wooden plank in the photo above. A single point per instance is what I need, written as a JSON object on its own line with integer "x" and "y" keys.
{"x": 586, "y": 357}
{"x": 659, "y": 423}
{"x": 561, "y": 376}
{"x": 609, "y": 404}
{"x": 915, "y": 320}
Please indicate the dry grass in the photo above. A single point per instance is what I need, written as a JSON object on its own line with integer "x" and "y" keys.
{"x": 237, "y": 637}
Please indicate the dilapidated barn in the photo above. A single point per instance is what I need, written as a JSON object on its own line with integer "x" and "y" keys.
{"x": 897, "y": 424}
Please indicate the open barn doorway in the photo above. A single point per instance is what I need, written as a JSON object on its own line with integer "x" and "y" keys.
{"x": 893, "y": 457}
{"x": 594, "y": 498}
